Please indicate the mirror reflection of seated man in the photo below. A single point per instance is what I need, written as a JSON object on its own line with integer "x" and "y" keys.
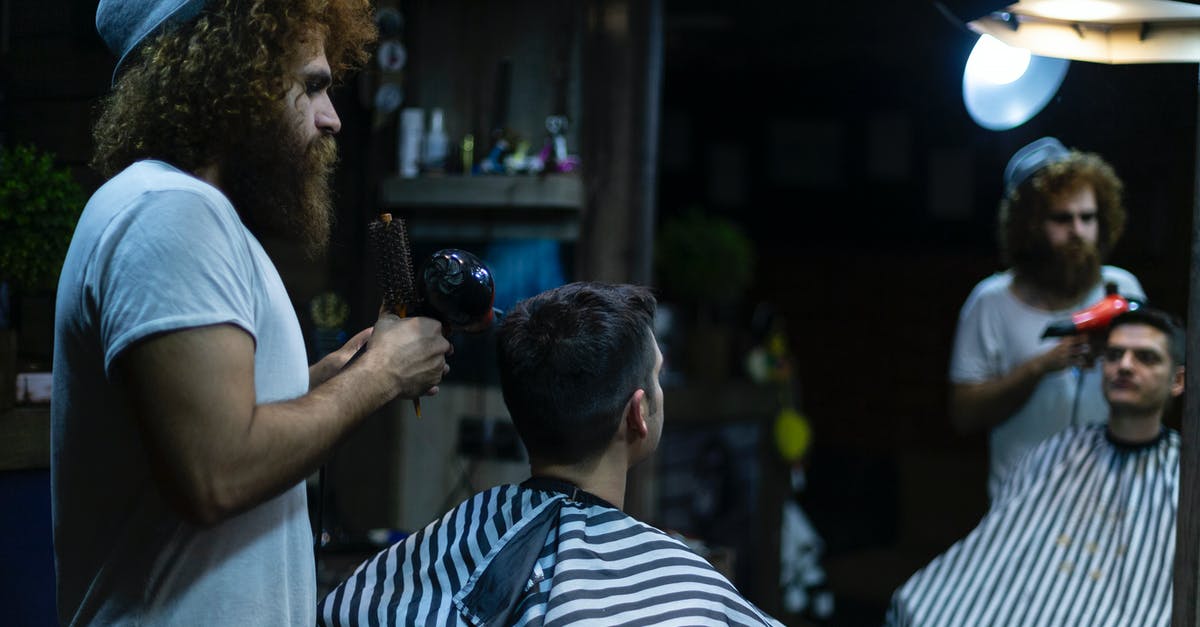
{"x": 1083, "y": 532}
{"x": 579, "y": 367}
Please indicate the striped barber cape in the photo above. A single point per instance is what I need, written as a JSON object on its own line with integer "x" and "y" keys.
{"x": 1082, "y": 534}
{"x": 516, "y": 555}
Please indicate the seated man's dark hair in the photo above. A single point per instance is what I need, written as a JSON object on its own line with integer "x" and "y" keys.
{"x": 1161, "y": 320}
{"x": 569, "y": 360}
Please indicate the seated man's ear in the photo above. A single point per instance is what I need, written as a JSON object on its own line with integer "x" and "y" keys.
{"x": 1177, "y": 382}
{"x": 635, "y": 416}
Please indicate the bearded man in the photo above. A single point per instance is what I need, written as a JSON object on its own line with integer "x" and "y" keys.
{"x": 1061, "y": 216}
{"x": 185, "y": 415}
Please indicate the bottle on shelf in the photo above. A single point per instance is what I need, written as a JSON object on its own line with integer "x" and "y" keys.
{"x": 412, "y": 123}
{"x": 436, "y": 148}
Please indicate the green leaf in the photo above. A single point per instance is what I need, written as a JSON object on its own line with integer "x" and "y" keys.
{"x": 701, "y": 258}
{"x": 39, "y": 206}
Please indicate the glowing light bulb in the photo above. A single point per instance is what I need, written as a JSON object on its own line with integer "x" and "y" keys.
{"x": 995, "y": 62}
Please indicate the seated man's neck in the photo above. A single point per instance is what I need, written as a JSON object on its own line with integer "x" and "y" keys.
{"x": 1134, "y": 428}
{"x": 603, "y": 477}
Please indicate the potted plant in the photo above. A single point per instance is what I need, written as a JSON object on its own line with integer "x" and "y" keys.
{"x": 39, "y": 206}
{"x": 40, "y": 203}
{"x": 704, "y": 264}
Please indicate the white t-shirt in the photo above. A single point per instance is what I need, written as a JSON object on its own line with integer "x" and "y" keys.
{"x": 996, "y": 333}
{"x": 157, "y": 250}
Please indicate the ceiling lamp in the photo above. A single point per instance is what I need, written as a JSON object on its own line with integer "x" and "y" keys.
{"x": 1100, "y": 31}
{"x": 1054, "y": 32}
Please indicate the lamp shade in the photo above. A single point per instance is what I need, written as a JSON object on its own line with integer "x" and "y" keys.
{"x": 1000, "y": 103}
{"x": 1100, "y": 31}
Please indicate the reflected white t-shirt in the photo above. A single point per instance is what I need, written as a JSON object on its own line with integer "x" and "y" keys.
{"x": 996, "y": 333}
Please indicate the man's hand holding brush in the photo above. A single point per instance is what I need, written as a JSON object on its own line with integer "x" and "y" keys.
{"x": 411, "y": 352}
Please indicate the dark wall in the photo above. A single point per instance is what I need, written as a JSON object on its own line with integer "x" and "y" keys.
{"x": 53, "y": 70}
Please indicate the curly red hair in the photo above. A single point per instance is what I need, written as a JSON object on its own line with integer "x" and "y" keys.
{"x": 1024, "y": 211}
{"x": 191, "y": 89}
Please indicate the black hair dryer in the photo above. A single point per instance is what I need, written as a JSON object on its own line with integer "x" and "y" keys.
{"x": 459, "y": 286}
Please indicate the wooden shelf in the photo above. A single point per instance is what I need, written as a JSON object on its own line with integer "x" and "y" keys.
{"x": 552, "y": 191}
{"x": 487, "y": 207}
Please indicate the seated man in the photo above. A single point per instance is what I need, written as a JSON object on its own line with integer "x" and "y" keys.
{"x": 579, "y": 367}
{"x": 1083, "y": 533}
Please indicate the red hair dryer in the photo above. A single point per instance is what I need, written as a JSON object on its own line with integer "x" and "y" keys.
{"x": 1094, "y": 318}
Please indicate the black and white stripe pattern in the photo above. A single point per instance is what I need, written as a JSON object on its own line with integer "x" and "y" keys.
{"x": 1082, "y": 534}
{"x": 596, "y": 565}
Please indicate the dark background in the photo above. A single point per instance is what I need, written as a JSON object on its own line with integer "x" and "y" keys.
{"x": 834, "y": 133}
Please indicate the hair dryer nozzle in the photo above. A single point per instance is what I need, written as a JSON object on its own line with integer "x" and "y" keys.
{"x": 460, "y": 288}
{"x": 1094, "y": 318}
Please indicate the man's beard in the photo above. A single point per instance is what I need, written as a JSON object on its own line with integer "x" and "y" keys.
{"x": 280, "y": 185}
{"x": 1070, "y": 269}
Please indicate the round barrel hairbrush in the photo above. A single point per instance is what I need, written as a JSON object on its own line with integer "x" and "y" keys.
{"x": 391, "y": 255}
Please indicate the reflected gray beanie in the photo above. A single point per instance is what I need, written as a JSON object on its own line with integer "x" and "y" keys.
{"x": 1031, "y": 158}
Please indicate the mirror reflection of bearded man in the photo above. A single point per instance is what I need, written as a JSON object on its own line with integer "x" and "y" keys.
{"x": 1054, "y": 261}
{"x": 1061, "y": 215}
